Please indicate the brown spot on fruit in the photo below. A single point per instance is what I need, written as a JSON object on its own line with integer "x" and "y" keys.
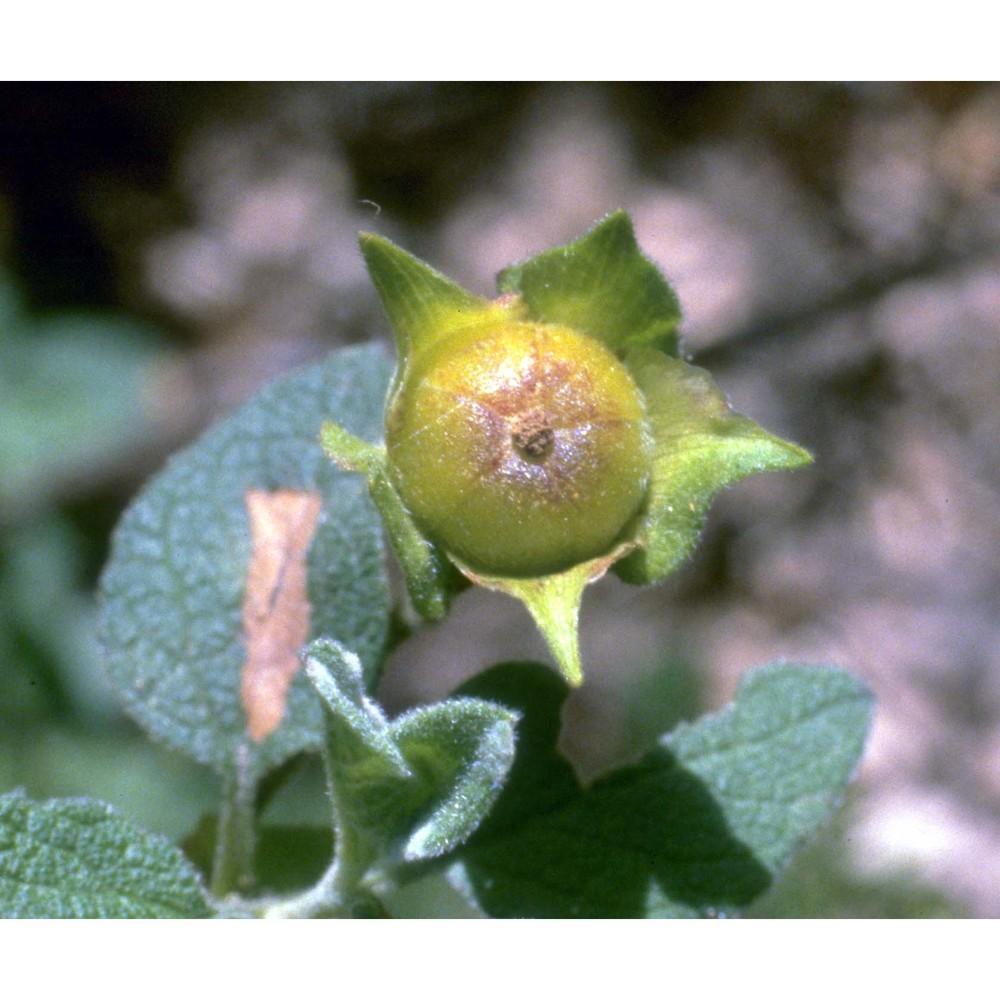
{"x": 532, "y": 434}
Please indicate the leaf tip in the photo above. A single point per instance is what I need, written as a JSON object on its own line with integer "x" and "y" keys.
{"x": 376, "y": 249}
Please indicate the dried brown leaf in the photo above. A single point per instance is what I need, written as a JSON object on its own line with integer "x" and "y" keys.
{"x": 276, "y": 609}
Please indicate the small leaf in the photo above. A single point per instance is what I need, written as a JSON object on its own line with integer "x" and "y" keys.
{"x": 276, "y": 608}
{"x": 699, "y": 826}
{"x": 460, "y": 750}
{"x": 601, "y": 285}
{"x": 369, "y": 777}
{"x": 174, "y": 588}
{"x": 421, "y": 784}
{"x": 541, "y": 780}
{"x": 81, "y": 858}
{"x": 701, "y": 446}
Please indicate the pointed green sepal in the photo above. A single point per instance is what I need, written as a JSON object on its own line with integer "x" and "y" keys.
{"x": 601, "y": 285}
{"x": 421, "y": 303}
{"x": 430, "y": 578}
{"x": 554, "y": 603}
{"x": 701, "y": 446}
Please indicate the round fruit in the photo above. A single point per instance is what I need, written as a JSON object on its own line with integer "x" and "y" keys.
{"x": 519, "y": 447}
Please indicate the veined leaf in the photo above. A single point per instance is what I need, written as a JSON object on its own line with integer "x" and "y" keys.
{"x": 81, "y": 858}
{"x": 174, "y": 588}
{"x": 698, "y": 827}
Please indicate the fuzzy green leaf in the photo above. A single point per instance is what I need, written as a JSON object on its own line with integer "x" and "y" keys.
{"x": 81, "y": 858}
{"x": 698, "y": 827}
{"x": 700, "y": 447}
{"x": 416, "y": 787}
{"x": 460, "y": 751}
{"x": 369, "y": 777}
{"x": 174, "y": 588}
{"x": 601, "y": 285}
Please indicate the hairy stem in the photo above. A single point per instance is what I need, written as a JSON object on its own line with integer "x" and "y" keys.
{"x": 232, "y": 867}
{"x": 339, "y": 892}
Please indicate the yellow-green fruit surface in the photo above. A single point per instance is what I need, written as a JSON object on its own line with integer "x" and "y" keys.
{"x": 519, "y": 447}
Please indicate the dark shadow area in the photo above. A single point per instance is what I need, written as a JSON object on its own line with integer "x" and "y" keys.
{"x": 648, "y": 840}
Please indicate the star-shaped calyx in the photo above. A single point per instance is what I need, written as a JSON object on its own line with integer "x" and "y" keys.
{"x": 535, "y": 440}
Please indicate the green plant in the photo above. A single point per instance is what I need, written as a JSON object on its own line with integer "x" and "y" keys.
{"x": 532, "y": 443}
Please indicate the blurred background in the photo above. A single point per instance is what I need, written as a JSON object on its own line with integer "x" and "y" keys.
{"x": 167, "y": 249}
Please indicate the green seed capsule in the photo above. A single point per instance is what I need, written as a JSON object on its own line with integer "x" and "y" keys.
{"x": 519, "y": 447}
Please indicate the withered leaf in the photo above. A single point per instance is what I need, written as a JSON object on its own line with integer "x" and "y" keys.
{"x": 276, "y": 609}
{"x": 171, "y": 615}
